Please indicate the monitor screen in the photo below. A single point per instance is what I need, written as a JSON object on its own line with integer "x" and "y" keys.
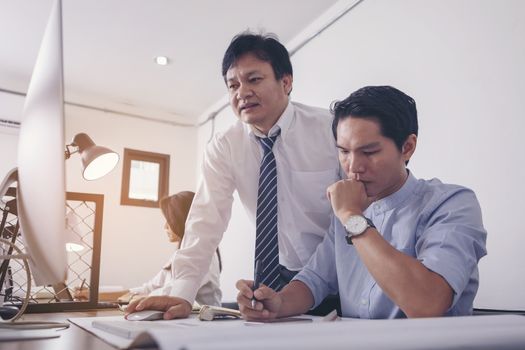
{"x": 41, "y": 169}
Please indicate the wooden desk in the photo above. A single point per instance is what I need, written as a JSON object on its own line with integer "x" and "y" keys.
{"x": 71, "y": 338}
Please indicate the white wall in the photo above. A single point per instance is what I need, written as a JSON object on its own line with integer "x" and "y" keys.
{"x": 462, "y": 61}
{"x": 134, "y": 245}
{"x": 10, "y": 109}
{"x": 8, "y": 148}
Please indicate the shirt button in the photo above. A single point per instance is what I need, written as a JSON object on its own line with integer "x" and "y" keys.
{"x": 364, "y": 302}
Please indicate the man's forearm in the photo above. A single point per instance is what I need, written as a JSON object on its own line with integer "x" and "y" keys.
{"x": 296, "y": 299}
{"x": 415, "y": 289}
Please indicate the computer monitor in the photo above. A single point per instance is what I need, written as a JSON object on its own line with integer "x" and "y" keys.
{"x": 41, "y": 192}
{"x": 41, "y": 161}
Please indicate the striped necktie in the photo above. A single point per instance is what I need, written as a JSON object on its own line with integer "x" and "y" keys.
{"x": 266, "y": 242}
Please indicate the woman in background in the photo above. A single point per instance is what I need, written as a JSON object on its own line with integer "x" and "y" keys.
{"x": 175, "y": 209}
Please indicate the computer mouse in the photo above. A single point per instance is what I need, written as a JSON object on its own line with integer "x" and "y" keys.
{"x": 145, "y": 315}
{"x": 7, "y": 312}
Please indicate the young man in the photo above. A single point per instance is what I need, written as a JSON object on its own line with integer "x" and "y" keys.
{"x": 398, "y": 246}
{"x": 280, "y": 157}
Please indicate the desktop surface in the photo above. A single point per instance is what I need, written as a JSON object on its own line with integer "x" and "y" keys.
{"x": 72, "y": 338}
{"x": 488, "y": 332}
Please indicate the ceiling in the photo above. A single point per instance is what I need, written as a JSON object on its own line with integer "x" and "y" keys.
{"x": 109, "y": 47}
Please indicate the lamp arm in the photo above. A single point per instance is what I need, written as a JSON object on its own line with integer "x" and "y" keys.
{"x": 72, "y": 148}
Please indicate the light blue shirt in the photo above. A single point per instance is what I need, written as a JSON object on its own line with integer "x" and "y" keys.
{"x": 438, "y": 224}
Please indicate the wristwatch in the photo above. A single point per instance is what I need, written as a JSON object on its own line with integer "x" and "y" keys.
{"x": 356, "y": 225}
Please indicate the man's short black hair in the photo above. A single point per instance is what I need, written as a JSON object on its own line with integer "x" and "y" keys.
{"x": 265, "y": 47}
{"x": 394, "y": 110}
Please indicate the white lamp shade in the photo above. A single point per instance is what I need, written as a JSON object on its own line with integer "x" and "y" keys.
{"x": 97, "y": 161}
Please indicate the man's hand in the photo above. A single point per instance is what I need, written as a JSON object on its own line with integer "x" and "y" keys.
{"x": 267, "y": 306}
{"x": 174, "y": 307}
{"x": 348, "y": 197}
{"x": 128, "y": 297}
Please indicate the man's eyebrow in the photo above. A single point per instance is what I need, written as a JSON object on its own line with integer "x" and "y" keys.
{"x": 255, "y": 71}
{"x": 367, "y": 146}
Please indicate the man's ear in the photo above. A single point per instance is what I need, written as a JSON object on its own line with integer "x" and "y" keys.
{"x": 409, "y": 147}
{"x": 287, "y": 81}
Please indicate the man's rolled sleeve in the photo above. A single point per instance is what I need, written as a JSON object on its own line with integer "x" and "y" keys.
{"x": 320, "y": 274}
{"x": 454, "y": 240}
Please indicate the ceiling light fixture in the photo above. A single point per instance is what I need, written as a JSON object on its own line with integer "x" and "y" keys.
{"x": 162, "y": 60}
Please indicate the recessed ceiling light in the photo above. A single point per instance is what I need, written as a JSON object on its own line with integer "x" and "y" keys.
{"x": 162, "y": 60}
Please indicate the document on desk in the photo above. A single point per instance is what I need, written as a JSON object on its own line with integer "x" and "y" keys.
{"x": 472, "y": 332}
{"x": 124, "y": 334}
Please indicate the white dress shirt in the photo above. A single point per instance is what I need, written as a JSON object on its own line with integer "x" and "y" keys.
{"x": 209, "y": 292}
{"x": 307, "y": 164}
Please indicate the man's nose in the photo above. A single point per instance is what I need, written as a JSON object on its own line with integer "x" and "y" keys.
{"x": 355, "y": 166}
{"x": 244, "y": 92}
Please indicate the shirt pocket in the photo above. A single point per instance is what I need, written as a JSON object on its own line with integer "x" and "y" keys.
{"x": 309, "y": 188}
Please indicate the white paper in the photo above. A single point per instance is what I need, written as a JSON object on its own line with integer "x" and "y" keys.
{"x": 471, "y": 332}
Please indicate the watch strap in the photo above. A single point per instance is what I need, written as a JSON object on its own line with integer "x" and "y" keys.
{"x": 349, "y": 237}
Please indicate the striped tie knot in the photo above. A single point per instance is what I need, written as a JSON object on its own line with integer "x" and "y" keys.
{"x": 268, "y": 142}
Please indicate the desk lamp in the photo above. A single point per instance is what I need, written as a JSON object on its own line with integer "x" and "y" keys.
{"x": 97, "y": 161}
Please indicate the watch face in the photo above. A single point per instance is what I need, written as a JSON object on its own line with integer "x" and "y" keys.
{"x": 356, "y": 224}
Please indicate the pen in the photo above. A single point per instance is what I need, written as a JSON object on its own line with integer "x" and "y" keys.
{"x": 82, "y": 284}
{"x": 257, "y": 279}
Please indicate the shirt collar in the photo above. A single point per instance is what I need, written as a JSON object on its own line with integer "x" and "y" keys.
{"x": 283, "y": 124}
{"x": 395, "y": 199}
